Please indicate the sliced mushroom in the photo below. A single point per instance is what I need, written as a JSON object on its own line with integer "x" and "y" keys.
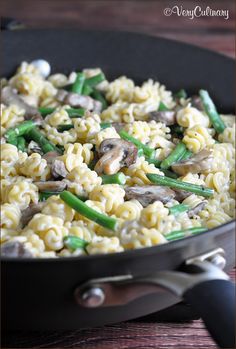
{"x": 14, "y": 249}
{"x": 180, "y": 195}
{"x": 168, "y": 117}
{"x": 9, "y": 96}
{"x": 56, "y": 186}
{"x": 118, "y": 126}
{"x": 30, "y": 211}
{"x": 195, "y": 210}
{"x": 115, "y": 153}
{"x": 33, "y": 147}
{"x": 197, "y": 102}
{"x": 58, "y": 169}
{"x": 148, "y": 194}
{"x": 200, "y": 162}
{"x": 50, "y": 156}
{"x": 77, "y": 100}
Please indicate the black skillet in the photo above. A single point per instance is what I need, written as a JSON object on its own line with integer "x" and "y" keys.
{"x": 70, "y": 293}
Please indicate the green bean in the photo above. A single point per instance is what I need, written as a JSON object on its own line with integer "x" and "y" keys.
{"x": 87, "y": 90}
{"x": 177, "y": 184}
{"x": 45, "y": 111}
{"x": 77, "y": 86}
{"x": 35, "y": 135}
{"x": 72, "y": 112}
{"x": 140, "y": 152}
{"x": 187, "y": 154}
{"x": 162, "y": 107}
{"x": 43, "y": 196}
{"x": 65, "y": 127}
{"x": 12, "y": 141}
{"x": 79, "y": 206}
{"x": 177, "y": 209}
{"x": 117, "y": 178}
{"x": 150, "y": 153}
{"x": 181, "y": 94}
{"x": 21, "y": 144}
{"x": 211, "y": 111}
{"x": 155, "y": 162}
{"x": 105, "y": 125}
{"x": 174, "y": 156}
{"x": 19, "y": 130}
{"x": 95, "y": 80}
{"x": 179, "y": 234}
{"x": 170, "y": 174}
{"x": 99, "y": 97}
{"x": 74, "y": 242}
{"x": 75, "y": 112}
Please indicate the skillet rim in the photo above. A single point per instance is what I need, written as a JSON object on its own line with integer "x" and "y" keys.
{"x": 145, "y": 250}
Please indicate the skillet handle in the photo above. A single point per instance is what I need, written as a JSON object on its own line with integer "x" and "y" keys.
{"x": 214, "y": 301}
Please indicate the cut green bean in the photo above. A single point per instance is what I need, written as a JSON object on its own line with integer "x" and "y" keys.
{"x": 177, "y": 184}
{"x": 155, "y": 162}
{"x": 150, "y": 153}
{"x": 174, "y": 156}
{"x": 35, "y": 135}
{"x": 43, "y": 196}
{"x": 74, "y": 242}
{"x": 65, "y": 127}
{"x": 87, "y": 90}
{"x": 19, "y": 130}
{"x": 99, "y": 97}
{"x": 77, "y": 86}
{"x": 140, "y": 152}
{"x": 79, "y": 206}
{"x": 211, "y": 111}
{"x": 117, "y": 178}
{"x": 105, "y": 125}
{"x": 45, "y": 111}
{"x": 179, "y": 234}
{"x": 181, "y": 94}
{"x": 12, "y": 141}
{"x": 75, "y": 112}
{"x": 187, "y": 154}
{"x": 72, "y": 112}
{"x": 177, "y": 209}
{"x": 95, "y": 80}
{"x": 162, "y": 107}
{"x": 170, "y": 174}
{"x": 21, "y": 144}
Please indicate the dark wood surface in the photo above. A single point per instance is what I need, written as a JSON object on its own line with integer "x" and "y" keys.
{"x": 143, "y": 16}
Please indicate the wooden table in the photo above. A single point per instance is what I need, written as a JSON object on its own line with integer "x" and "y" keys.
{"x": 143, "y": 16}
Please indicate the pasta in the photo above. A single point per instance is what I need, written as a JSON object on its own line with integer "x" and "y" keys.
{"x": 81, "y": 183}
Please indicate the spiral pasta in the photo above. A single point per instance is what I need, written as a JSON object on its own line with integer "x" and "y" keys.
{"x": 40, "y": 217}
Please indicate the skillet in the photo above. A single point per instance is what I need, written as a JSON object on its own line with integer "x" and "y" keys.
{"x": 71, "y": 293}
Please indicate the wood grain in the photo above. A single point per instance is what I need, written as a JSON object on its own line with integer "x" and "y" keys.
{"x": 144, "y": 16}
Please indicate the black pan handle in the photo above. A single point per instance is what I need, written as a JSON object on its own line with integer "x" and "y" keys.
{"x": 214, "y": 301}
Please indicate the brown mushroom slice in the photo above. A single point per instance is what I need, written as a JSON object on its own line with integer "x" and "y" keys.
{"x": 58, "y": 169}
{"x": 168, "y": 117}
{"x": 77, "y": 100}
{"x": 198, "y": 208}
{"x": 197, "y": 102}
{"x": 55, "y": 186}
{"x": 180, "y": 195}
{"x": 9, "y": 96}
{"x": 200, "y": 162}
{"x": 115, "y": 153}
{"x": 14, "y": 249}
{"x": 148, "y": 194}
{"x": 50, "y": 156}
{"x": 30, "y": 211}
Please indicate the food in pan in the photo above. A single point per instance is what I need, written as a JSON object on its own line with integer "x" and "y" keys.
{"x": 90, "y": 166}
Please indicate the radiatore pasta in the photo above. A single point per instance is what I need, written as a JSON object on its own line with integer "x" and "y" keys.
{"x": 83, "y": 160}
